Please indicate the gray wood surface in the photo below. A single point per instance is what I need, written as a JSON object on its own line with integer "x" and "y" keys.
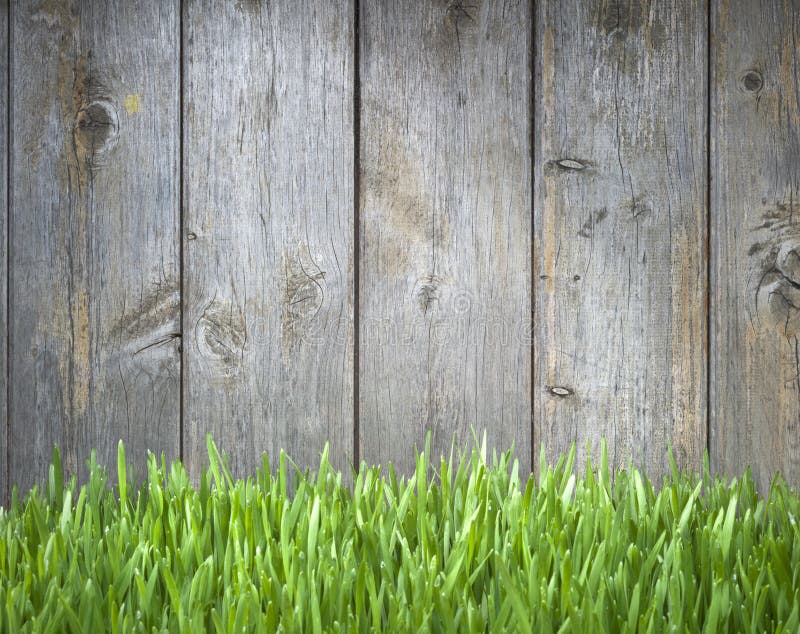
{"x": 620, "y": 229}
{"x": 94, "y": 219}
{"x": 268, "y": 230}
{"x": 507, "y": 175}
{"x": 755, "y": 248}
{"x": 445, "y": 227}
{"x": 3, "y": 248}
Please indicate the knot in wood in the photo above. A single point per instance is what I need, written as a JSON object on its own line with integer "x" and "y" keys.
{"x": 567, "y": 165}
{"x": 570, "y": 164}
{"x": 617, "y": 18}
{"x": 778, "y": 295}
{"x": 751, "y": 81}
{"x": 221, "y": 334}
{"x": 96, "y": 127}
{"x": 427, "y": 293}
{"x": 303, "y": 294}
{"x": 462, "y": 15}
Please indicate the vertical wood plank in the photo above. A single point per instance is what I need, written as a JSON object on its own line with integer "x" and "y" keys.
{"x": 620, "y": 229}
{"x": 755, "y": 135}
{"x": 268, "y": 251}
{"x": 4, "y": 44}
{"x": 94, "y": 215}
{"x": 445, "y": 244}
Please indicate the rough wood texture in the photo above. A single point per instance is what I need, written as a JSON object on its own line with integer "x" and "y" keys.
{"x": 620, "y": 229}
{"x": 445, "y": 287}
{"x": 755, "y": 302}
{"x": 94, "y": 216}
{"x": 268, "y": 240}
{"x": 602, "y": 241}
{"x": 3, "y": 245}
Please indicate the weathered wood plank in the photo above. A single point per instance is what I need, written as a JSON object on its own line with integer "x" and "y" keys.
{"x": 755, "y": 249}
{"x": 4, "y": 259}
{"x": 94, "y": 227}
{"x": 268, "y": 251}
{"x": 620, "y": 229}
{"x": 445, "y": 227}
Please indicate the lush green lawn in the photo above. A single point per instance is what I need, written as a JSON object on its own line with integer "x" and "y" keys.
{"x": 460, "y": 546}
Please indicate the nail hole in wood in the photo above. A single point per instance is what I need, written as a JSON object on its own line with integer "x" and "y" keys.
{"x": 570, "y": 164}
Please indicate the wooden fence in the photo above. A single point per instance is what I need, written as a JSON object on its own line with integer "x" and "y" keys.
{"x": 292, "y": 221}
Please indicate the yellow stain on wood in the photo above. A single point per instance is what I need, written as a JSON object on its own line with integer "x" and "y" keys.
{"x": 548, "y": 72}
{"x": 787, "y": 78}
{"x": 719, "y": 40}
{"x": 133, "y": 103}
{"x": 80, "y": 352}
{"x": 64, "y": 330}
{"x": 547, "y": 239}
{"x": 548, "y": 217}
{"x": 409, "y": 223}
{"x": 73, "y": 87}
{"x": 688, "y": 344}
{"x": 54, "y": 14}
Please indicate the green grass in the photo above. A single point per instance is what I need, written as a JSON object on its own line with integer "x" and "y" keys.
{"x": 460, "y": 546}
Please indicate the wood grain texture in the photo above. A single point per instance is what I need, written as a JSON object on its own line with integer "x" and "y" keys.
{"x": 4, "y": 258}
{"x": 755, "y": 250}
{"x": 445, "y": 227}
{"x": 94, "y": 220}
{"x": 620, "y": 229}
{"x": 268, "y": 251}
